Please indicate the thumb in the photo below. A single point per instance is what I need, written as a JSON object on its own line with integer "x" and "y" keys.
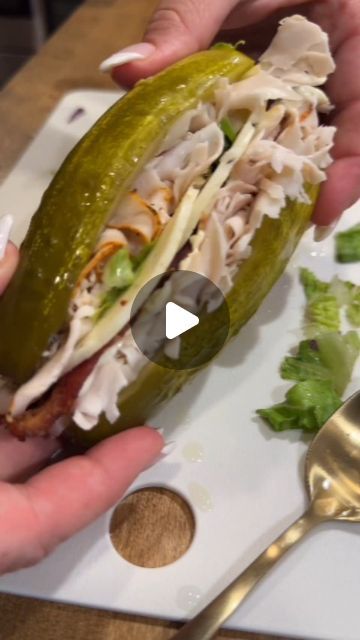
{"x": 177, "y": 29}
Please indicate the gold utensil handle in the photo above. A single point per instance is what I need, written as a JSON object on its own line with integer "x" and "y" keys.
{"x": 205, "y": 625}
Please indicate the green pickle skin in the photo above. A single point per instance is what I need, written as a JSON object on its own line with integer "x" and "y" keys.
{"x": 272, "y": 246}
{"x": 81, "y": 197}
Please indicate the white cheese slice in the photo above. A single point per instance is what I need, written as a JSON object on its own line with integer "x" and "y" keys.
{"x": 208, "y": 195}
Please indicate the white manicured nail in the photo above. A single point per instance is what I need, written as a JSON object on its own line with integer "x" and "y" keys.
{"x": 5, "y": 227}
{"x": 323, "y": 232}
{"x": 168, "y": 448}
{"x": 129, "y": 54}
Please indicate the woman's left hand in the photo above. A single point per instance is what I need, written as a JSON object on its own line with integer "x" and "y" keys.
{"x": 41, "y": 506}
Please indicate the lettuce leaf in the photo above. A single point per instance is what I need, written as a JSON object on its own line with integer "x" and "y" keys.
{"x": 323, "y": 308}
{"x": 325, "y": 300}
{"x": 322, "y": 366}
{"x": 119, "y": 271}
{"x": 347, "y": 245}
{"x": 307, "y": 407}
{"x": 348, "y": 295}
{"x": 339, "y": 353}
{"x": 342, "y": 290}
{"x": 307, "y": 364}
{"x": 228, "y": 130}
{"x": 353, "y": 308}
{"x": 323, "y": 315}
{"x": 313, "y": 287}
{"x": 330, "y": 357}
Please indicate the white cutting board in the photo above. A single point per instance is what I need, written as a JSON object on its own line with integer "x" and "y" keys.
{"x": 253, "y": 477}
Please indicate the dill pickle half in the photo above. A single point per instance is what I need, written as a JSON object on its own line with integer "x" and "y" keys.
{"x": 82, "y": 195}
{"x": 272, "y": 246}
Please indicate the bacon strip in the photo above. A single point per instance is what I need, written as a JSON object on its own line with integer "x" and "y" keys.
{"x": 59, "y": 404}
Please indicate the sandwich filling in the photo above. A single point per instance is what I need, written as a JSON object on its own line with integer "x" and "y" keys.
{"x": 197, "y": 204}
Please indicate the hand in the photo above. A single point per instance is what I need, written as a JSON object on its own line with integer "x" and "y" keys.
{"x": 181, "y": 27}
{"x": 40, "y": 510}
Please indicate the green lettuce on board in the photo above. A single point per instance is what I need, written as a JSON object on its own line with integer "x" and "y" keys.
{"x": 307, "y": 406}
{"x": 325, "y": 301}
{"x": 347, "y": 245}
{"x": 322, "y": 365}
{"x": 330, "y": 357}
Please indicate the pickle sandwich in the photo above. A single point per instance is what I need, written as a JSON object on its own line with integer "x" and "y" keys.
{"x": 212, "y": 165}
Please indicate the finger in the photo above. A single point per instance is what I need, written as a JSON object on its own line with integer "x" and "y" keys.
{"x": 176, "y": 30}
{"x": 342, "y": 188}
{"x": 8, "y": 265}
{"x": 257, "y": 12}
{"x": 19, "y": 460}
{"x": 340, "y": 191}
{"x": 62, "y": 499}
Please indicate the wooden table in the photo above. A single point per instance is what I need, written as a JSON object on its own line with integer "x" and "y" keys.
{"x": 69, "y": 61}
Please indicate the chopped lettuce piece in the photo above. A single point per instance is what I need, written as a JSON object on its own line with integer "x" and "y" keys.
{"x": 228, "y": 130}
{"x": 322, "y": 366}
{"x": 323, "y": 315}
{"x": 342, "y": 290}
{"x": 347, "y": 245}
{"x": 330, "y": 357}
{"x": 306, "y": 365}
{"x": 325, "y": 300}
{"x": 339, "y": 354}
{"x": 119, "y": 270}
{"x": 353, "y": 308}
{"x": 307, "y": 407}
{"x": 323, "y": 308}
{"x": 348, "y": 295}
{"x": 313, "y": 287}
{"x": 119, "y": 274}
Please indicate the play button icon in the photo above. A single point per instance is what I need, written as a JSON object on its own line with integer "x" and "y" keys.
{"x": 178, "y": 320}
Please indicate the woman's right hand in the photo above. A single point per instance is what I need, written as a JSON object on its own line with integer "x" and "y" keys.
{"x": 181, "y": 27}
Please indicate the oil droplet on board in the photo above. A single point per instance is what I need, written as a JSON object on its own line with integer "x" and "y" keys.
{"x": 188, "y": 597}
{"x": 185, "y": 422}
{"x": 193, "y": 452}
{"x": 200, "y": 497}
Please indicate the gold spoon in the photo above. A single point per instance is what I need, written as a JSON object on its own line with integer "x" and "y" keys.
{"x": 332, "y": 472}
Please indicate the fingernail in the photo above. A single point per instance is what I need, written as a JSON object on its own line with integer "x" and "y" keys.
{"x": 5, "y": 227}
{"x": 138, "y": 51}
{"x": 323, "y": 232}
{"x": 168, "y": 448}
